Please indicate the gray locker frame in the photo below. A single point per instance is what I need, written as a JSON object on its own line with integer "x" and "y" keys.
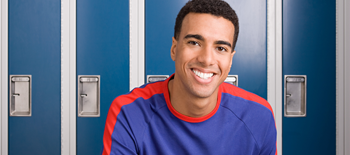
{"x": 68, "y": 77}
{"x": 4, "y": 77}
{"x": 137, "y": 43}
{"x": 274, "y": 64}
{"x": 342, "y": 74}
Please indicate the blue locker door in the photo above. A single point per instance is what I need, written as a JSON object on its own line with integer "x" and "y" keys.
{"x": 249, "y": 62}
{"x": 309, "y": 49}
{"x": 35, "y": 49}
{"x": 102, "y": 49}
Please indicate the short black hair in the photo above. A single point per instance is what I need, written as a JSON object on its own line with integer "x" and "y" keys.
{"x": 215, "y": 7}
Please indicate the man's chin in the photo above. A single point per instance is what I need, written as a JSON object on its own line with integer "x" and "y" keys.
{"x": 203, "y": 93}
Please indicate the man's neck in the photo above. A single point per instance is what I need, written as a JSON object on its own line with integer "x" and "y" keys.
{"x": 187, "y": 104}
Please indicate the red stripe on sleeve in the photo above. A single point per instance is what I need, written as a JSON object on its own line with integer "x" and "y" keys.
{"x": 118, "y": 103}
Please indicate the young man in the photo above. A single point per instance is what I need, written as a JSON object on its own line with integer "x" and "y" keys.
{"x": 193, "y": 111}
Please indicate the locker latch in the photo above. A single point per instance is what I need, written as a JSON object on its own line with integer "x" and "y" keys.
{"x": 233, "y": 79}
{"x": 295, "y": 96}
{"x": 20, "y": 95}
{"x": 155, "y": 78}
{"x": 88, "y": 95}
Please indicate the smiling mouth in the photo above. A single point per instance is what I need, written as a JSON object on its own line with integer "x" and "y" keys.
{"x": 203, "y": 75}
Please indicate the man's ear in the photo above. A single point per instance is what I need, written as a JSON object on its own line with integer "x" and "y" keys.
{"x": 173, "y": 49}
{"x": 232, "y": 54}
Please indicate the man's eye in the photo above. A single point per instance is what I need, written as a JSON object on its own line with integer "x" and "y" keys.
{"x": 222, "y": 49}
{"x": 193, "y": 43}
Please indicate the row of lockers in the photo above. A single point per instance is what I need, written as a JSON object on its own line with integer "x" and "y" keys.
{"x": 102, "y": 48}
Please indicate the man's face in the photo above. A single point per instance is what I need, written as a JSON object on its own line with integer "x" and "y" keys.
{"x": 203, "y": 53}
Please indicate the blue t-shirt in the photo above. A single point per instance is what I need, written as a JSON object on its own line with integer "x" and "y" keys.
{"x": 144, "y": 122}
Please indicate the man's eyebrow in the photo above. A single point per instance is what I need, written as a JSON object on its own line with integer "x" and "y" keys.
{"x": 196, "y": 36}
{"x": 223, "y": 42}
{"x": 199, "y": 37}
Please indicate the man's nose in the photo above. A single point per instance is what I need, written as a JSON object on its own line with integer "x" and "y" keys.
{"x": 206, "y": 56}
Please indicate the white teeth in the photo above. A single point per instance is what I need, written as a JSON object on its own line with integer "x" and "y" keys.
{"x": 202, "y": 75}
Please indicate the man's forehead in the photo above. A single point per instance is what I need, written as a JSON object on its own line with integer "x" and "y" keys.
{"x": 204, "y": 15}
{"x": 205, "y": 23}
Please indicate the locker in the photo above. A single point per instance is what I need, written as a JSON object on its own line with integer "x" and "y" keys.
{"x": 102, "y": 51}
{"x": 309, "y": 49}
{"x": 34, "y": 50}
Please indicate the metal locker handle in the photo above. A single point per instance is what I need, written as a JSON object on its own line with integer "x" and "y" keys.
{"x": 20, "y": 95}
{"x": 295, "y": 96}
{"x": 233, "y": 79}
{"x": 155, "y": 78}
{"x": 89, "y": 96}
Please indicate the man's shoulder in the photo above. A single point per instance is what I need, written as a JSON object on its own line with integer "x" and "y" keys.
{"x": 246, "y": 106}
{"x": 138, "y": 106}
{"x": 145, "y": 92}
{"x": 244, "y": 99}
{"x": 145, "y": 98}
{"x": 254, "y": 111}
